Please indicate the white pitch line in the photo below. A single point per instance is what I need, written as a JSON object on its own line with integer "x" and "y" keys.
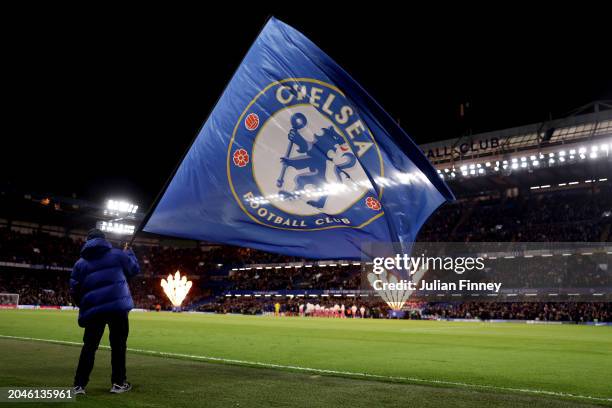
{"x": 321, "y": 370}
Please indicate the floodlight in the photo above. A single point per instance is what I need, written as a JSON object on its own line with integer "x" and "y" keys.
{"x": 115, "y": 227}
{"x": 121, "y": 207}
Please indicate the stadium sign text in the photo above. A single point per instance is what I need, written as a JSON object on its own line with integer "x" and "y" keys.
{"x": 463, "y": 149}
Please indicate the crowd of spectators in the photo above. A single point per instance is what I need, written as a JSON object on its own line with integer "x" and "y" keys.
{"x": 48, "y": 288}
{"x": 573, "y": 270}
{"x": 575, "y": 216}
{"x": 578, "y": 216}
{"x": 279, "y": 278}
{"x": 51, "y": 288}
{"x": 553, "y": 217}
{"x": 51, "y": 250}
{"x": 544, "y": 311}
{"x": 38, "y": 248}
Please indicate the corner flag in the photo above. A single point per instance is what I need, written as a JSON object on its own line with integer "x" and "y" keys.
{"x": 297, "y": 158}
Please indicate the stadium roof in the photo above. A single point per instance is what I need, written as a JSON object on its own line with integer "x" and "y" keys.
{"x": 587, "y": 123}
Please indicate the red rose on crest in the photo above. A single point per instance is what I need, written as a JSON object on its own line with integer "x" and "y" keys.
{"x": 241, "y": 158}
{"x": 373, "y": 204}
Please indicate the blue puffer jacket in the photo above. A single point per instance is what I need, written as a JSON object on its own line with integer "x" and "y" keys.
{"x": 99, "y": 280}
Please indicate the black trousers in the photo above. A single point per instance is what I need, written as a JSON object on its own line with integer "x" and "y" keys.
{"x": 118, "y": 326}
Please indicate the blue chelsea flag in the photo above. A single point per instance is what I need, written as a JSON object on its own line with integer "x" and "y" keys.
{"x": 297, "y": 158}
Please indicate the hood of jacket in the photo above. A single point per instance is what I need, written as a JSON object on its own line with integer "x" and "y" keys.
{"x": 95, "y": 248}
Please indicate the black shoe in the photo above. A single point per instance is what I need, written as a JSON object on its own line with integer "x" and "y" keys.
{"x": 78, "y": 390}
{"x": 120, "y": 388}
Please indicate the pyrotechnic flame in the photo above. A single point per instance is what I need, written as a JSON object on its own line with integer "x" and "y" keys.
{"x": 394, "y": 298}
{"x": 176, "y": 288}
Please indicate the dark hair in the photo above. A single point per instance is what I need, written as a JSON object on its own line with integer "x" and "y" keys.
{"x": 95, "y": 233}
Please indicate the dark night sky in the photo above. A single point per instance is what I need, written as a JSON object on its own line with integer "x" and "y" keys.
{"x": 104, "y": 102}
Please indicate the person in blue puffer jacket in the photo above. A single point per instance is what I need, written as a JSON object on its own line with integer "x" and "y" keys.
{"x": 99, "y": 287}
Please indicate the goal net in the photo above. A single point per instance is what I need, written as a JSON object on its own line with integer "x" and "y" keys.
{"x": 9, "y": 300}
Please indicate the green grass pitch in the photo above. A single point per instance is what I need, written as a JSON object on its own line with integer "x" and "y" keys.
{"x": 248, "y": 361}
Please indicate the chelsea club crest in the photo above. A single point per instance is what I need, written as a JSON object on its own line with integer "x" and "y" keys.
{"x": 296, "y": 159}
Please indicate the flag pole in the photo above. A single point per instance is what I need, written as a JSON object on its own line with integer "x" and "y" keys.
{"x": 167, "y": 183}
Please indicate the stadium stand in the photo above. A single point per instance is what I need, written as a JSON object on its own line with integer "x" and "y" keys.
{"x": 545, "y": 182}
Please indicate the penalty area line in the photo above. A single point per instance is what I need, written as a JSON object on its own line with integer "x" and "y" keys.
{"x": 321, "y": 370}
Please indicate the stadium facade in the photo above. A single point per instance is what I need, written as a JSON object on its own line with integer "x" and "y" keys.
{"x": 523, "y": 184}
{"x": 569, "y": 151}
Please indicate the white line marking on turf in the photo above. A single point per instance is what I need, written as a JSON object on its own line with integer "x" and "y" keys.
{"x": 321, "y": 370}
